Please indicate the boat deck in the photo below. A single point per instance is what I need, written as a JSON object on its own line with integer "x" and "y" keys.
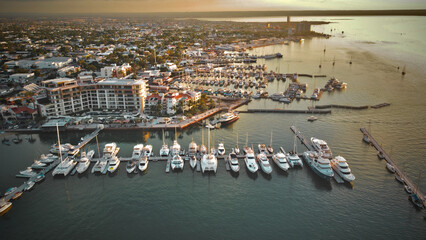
{"x": 389, "y": 160}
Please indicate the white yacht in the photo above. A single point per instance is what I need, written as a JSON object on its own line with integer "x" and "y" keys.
{"x": 137, "y": 152}
{"x": 250, "y": 160}
{"x": 143, "y": 163}
{"x": 233, "y": 162}
{"x": 262, "y": 148}
{"x": 28, "y": 172}
{"x": 193, "y": 162}
{"x": 164, "y": 151}
{"x": 193, "y": 148}
{"x": 131, "y": 165}
{"x": 320, "y": 165}
{"x": 321, "y": 147}
{"x": 55, "y": 149}
{"x": 237, "y": 150}
{"x": 177, "y": 162}
{"x": 175, "y": 148}
{"x": 113, "y": 164}
{"x": 84, "y": 162}
{"x": 64, "y": 167}
{"x": 221, "y": 149}
{"x": 49, "y": 158}
{"x": 281, "y": 160}
{"x": 340, "y": 165}
{"x": 294, "y": 160}
{"x": 213, "y": 151}
{"x": 110, "y": 149}
{"x": 209, "y": 163}
{"x": 147, "y": 150}
{"x": 101, "y": 165}
{"x": 38, "y": 165}
{"x": 264, "y": 163}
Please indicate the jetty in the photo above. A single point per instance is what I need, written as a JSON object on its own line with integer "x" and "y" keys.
{"x": 309, "y": 111}
{"x": 398, "y": 171}
{"x": 349, "y": 107}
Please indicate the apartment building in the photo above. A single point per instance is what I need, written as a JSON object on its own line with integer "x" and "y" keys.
{"x": 67, "y": 96}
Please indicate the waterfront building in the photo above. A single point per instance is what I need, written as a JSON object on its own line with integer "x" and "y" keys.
{"x": 67, "y": 96}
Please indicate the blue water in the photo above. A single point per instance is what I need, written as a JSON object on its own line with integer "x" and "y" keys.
{"x": 294, "y": 205}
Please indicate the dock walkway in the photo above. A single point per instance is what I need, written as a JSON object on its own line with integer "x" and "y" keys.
{"x": 388, "y": 159}
{"x": 312, "y": 111}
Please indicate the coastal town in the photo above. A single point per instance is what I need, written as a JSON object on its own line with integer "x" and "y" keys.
{"x": 134, "y": 73}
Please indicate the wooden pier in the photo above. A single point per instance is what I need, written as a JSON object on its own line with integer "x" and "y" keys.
{"x": 388, "y": 159}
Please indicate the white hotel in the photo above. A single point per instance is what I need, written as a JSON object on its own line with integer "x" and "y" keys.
{"x": 67, "y": 96}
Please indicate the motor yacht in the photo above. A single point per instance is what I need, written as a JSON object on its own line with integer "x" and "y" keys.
{"x": 221, "y": 149}
{"x": 250, "y": 160}
{"x": 193, "y": 162}
{"x": 29, "y": 185}
{"x": 113, "y": 164}
{"x": 147, "y": 150}
{"x": 28, "y": 172}
{"x": 264, "y": 163}
{"x": 38, "y": 165}
{"x": 294, "y": 160}
{"x": 312, "y": 118}
{"x": 177, "y": 162}
{"x": 321, "y": 147}
{"x": 228, "y": 118}
{"x": 5, "y": 207}
{"x": 131, "y": 165}
{"x": 164, "y": 151}
{"x": 101, "y": 165}
{"x": 143, "y": 163}
{"x": 320, "y": 165}
{"x": 192, "y": 149}
{"x": 203, "y": 149}
{"x": 110, "y": 150}
{"x": 49, "y": 158}
{"x": 390, "y": 168}
{"x": 237, "y": 150}
{"x": 340, "y": 165}
{"x": 281, "y": 160}
{"x": 262, "y": 148}
{"x": 233, "y": 162}
{"x": 175, "y": 148}
{"x": 209, "y": 163}
{"x": 84, "y": 162}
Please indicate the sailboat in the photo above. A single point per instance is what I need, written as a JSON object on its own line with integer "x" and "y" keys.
{"x": 414, "y": 198}
{"x": 270, "y": 148}
{"x": 209, "y": 161}
{"x": 66, "y": 165}
{"x": 292, "y": 157}
{"x": 237, "y": 149}
{"x": 176, "y": 146}
{"x": 164, "y": 151}
{"x": 202, "y": 149}
{"x": 246, "y": 147}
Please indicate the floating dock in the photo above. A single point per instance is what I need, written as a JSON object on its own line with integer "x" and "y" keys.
{"x": 388, "y": 159}
{"x": 312, "y": 111}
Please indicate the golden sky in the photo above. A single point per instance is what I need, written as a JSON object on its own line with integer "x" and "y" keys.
{"x": 134, "y": 6}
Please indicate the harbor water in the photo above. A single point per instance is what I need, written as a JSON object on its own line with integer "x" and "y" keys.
{"x": 296, "y": 204}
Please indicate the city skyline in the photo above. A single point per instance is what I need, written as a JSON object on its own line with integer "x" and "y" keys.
{"x": 140, "y": 6}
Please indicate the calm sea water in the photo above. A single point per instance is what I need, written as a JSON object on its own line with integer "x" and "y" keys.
{"x": 297, "y": 204}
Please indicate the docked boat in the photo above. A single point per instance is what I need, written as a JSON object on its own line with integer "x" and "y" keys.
{"x": 294, "y": 160}
{"x": 113, "y": 164}
{"x": 321, "y": 166}
{"x": 110, "y": 150}
{"x": 164, "y": 151}
{"x": 28, "y": 172}
{"x": 390, "y": 168}
{"x": 64, "y": 167}
{"x": 399, "y": 178}
{"x": 175, "y": 148}
{"x": 193, "y": 162}
{"x": 40, "y": 177}
{"x": 38, "y": 165}
{"x": 143, "y": 163}
{"x": 228, "y": 118}
{"x": 264, "y": 163}
{"x": 131, "y": 165}
{"x": 213, "y": 151}
{"x": 29, "y": 185}
{"x": 209, "y": 163}
{"x": 193, "y": 148}
{"x": 321, "y": 147}
{"x": 407, "y": 189}
{"x": 366, "y": 139}
{"x": 177, "y": 162}
{"x": 10, "y": 191}
{"x": 380, "y": 155}
{"x": 49, "y": 158}
{"x": 147, "y": 150}
{"x": 416, "y": 200}
{"x": 17, "y": 195}
{"x": 281, "y": 160}
{"x": 340, "y": 165}
{"x": 221, "y": 149}
{"x": 262, "y": 148}
{"x": 5, "y": 207}
{"x": 233, "y": 162}
{"x": 237, "y": 150}
{"x": 55, "y": 149}
{"x": 203, "y": 149}
{"x": 251, "y": 161}
{"x": 84, "y": 162}
{"x": 101, "y": 165}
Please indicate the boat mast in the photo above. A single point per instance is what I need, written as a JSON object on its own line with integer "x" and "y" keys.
{"x": 294, "y": 144}
{"x": 271, "y": 140}
{"x": 208, "y": 142}
{"x": 202, "y": 136}
{"x": 237, "y": 139}
{"x": 247, "y": 140}
{"x": 59, "y": 141}
{"x": 163, "y": 138}
{"x": 97, "y": 144}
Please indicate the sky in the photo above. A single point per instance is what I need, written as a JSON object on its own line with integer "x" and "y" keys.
{"x": 134, "y": 6}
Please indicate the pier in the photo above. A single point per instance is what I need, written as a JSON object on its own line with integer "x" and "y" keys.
{"x": 389, "y": 160}
{"x": 349, "y": 107}
{"x": 309, "y": 111}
